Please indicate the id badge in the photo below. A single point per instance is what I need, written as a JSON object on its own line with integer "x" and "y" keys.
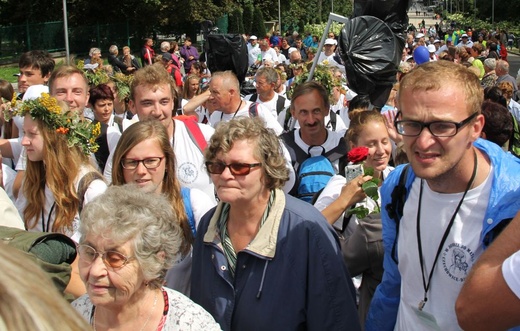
{"x": 426, "y": 319}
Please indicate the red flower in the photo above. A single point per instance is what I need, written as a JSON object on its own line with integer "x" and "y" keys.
{"x": 357, "y": 154}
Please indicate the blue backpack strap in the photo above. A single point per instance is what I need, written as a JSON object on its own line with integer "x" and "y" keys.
{"x": 187, "y": 207}
{"x": 396, "y": 206}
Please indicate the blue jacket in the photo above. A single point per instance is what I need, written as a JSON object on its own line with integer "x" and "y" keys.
{"x": 504, "y": 203}
{"x": 290, "y": 277}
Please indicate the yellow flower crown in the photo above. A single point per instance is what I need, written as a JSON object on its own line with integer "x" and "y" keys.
{"x": 78, "y": 131}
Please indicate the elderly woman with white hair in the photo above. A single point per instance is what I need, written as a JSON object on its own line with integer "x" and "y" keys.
{"x": 128, "y": 241}
{"x": 94, "y": 58}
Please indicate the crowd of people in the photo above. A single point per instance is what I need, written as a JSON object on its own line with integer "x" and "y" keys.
{"x": 299, "y": 206}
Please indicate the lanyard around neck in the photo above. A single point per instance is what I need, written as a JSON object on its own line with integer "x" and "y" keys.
{"x": 426, "y": 285}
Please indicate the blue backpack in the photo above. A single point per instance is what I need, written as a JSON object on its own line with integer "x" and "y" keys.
{"x": 313, "y": 175}
{"x": 313, "y": 172}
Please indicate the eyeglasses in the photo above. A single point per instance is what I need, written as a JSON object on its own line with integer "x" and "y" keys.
{"x": 236, "y": 169}
{"x": 149, "y": 163}
{"x": 437, "y": 128}
{"x": 111, "y": 259}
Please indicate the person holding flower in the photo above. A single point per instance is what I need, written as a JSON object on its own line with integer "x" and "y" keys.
{"x": 59, "y": 177}
{"x": 361, "y": 238}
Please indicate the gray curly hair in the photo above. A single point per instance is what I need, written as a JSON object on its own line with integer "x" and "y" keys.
{"x": 125, "y": 213}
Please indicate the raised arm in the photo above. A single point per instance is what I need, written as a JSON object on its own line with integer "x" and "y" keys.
{"x": 486, "y": 302}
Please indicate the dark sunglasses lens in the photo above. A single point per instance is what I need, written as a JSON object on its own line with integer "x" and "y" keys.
{"x": 239, "y": 169}
{"x": 215, "y": 168}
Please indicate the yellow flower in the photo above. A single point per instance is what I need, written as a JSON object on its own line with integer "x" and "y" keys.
{"x": 50, "y": 103}
{"x": 96, "y": 131}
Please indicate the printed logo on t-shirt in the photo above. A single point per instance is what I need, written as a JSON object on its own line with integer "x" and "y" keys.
{"x": 187, "y": 172}
{"x": 457, "y": 260}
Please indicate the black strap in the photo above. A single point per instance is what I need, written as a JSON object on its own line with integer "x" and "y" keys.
{"x": 427, "y": 283}
{"x": 332, "y": 120}
{"x": 280, "y": 104}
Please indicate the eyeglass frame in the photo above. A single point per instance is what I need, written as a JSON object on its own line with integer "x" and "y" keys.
{"x": 142, "y": 161}
{"x": 458, "y": 125}
{"x": 249, "y": 166}
{"x": 103, "y": 256}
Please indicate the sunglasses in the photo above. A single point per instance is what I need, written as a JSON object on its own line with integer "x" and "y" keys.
{"x": 236, "y": 169}
{"x": 111, "y": 259}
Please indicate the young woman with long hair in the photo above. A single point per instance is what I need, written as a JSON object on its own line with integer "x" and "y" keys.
{"x": 145, "y": 157}
{"x": 58, "y": 145}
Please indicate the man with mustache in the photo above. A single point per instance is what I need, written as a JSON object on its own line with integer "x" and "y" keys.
{"x": 309, "y": 106}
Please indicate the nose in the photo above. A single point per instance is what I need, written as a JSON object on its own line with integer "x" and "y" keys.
{"x": 227, "y": 173}
{"x": 425, "y": 139}
{"x": 141, "y": 169}
{"x": 68, "y": 97}
{"x": 25, "y": 141}
{"x": 98, "y": 267}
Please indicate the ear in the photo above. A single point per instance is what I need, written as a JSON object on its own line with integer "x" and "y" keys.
{"x": 477, "y": 126}
{"x": 131, "y": 106}
{"x": 86, "y": 99}
{"x": 46, "y": 78}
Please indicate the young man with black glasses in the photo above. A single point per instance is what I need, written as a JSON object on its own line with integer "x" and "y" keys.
{"x": 459, "y": 192}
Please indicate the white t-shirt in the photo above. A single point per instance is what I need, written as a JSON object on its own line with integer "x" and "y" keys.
{"x": 200, "y": 111}
{"x": 271, "y": 104}
{"x": 511, "y": 272}
{"x": 331, "y": 193}
{"x": 332, "y": 141}
{"x": 253, "y": 55}
{"x": 191, "y": 171}
{"x": 262, "y": 112}
{"x": 459, "y": 252}
{"x": 46, "y": 221}
{"x": 329, "y": 61}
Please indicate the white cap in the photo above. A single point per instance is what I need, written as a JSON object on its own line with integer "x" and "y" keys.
{"x": 431, "y": 48}
{"x": 253, "y": 37}
{"x": 419, "y": 35}
{"x": 292, "y": 49}
{"x": 464, "y": 35}
{"x": 436, "y": 41}
{"x": 34, "y": 92}
{"x": 330, "y": 41}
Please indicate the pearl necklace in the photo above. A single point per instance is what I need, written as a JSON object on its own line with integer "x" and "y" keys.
{"x": 145, "y": 323}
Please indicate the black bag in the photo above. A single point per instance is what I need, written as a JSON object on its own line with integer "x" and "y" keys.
{"x": 371, "y": 53}
{"x": 227, "y": 52}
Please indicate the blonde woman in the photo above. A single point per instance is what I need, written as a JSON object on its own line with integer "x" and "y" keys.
{"x": 58, "y": 148}
{"x": 59, "y": 177}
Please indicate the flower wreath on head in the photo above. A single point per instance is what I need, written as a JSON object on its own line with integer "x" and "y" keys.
{"x": 322, "y": 74}
{"x": 78, "y": 131}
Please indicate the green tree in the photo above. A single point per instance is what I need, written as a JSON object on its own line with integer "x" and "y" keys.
{"x": 235, "y": 21}
{"x": 247, "y": 17}
{"x": 258, "y": 26}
